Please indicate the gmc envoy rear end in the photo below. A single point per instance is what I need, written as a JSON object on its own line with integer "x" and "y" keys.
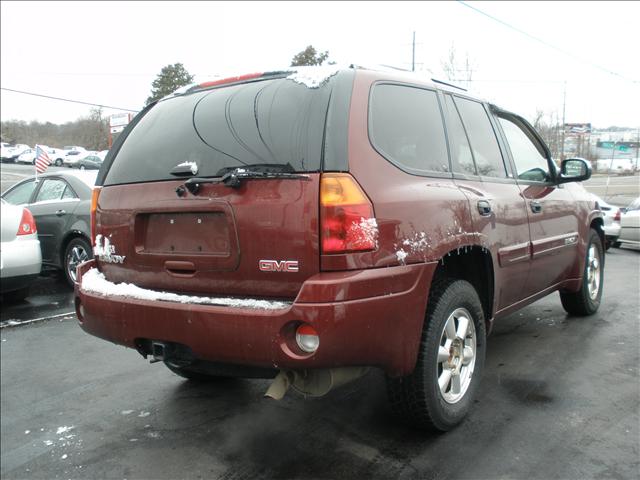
{"x": 307, "y": 225}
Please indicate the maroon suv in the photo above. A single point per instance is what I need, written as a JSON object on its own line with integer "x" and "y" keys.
{"x": 307, "y": 225}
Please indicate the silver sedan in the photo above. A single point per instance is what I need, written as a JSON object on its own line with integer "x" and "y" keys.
{"x": 20, "y": 255}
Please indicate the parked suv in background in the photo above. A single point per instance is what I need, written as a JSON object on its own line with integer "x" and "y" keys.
{"x": 309, "y": 224}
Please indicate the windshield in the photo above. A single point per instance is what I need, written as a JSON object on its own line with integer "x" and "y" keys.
{"x": 272, "y": 122}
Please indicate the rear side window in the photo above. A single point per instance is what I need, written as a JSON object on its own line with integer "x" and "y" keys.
{"x": 21, "y": 194}
{"x": 51, "y": 189}
{"x": 484, "y": 143}
{"x": 461, "y": 157}
{"x": 405, "y": 126}
{"x": 278, "y": 123}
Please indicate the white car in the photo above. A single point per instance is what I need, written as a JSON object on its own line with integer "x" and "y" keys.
{"x": 20, "y": 254}
{"x": 620, "y": 166}
{"x": 612, "y": 215}
{"x": 28, "y": 156}
{"x": 10, "y": 154}
{"x": 71, "y": 159}
{"x": 630, "y": 225}
{"x": 57, "y": 156}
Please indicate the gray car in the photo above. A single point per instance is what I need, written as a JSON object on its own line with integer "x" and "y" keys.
{"x": 60, "y": 203}
{"x": 20, "y": 257}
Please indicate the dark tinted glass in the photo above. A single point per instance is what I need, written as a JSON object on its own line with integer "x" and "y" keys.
{"x": 405, "y": 126}
{"x": 484, "y": 144}
{"x": 276, "y": 122}
{"x": 461, "y": 158}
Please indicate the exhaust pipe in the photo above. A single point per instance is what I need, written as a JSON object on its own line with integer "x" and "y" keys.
{"x": 280, "y": 385}
{"x": 313, "y": 383}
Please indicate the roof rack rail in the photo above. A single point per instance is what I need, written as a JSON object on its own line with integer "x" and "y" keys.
{"x": 448, "y": 84}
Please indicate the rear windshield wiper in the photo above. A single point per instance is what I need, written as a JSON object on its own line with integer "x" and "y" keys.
{"x": 235, "y": 177}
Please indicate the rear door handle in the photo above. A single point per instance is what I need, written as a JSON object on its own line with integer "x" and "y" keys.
{"x": 60, "y": 213}
{"x": 536, "y": 207}
{"x": 484, "y": 208}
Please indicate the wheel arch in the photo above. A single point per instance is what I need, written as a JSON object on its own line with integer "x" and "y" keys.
{"x": 71, "y": 234}
{"x": 474, "y": 264}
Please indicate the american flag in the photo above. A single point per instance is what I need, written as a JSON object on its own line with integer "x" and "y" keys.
{"x": 42, "y": 159}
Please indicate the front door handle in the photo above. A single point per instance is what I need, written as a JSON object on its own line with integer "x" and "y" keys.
{"x": 484, "y": 208}
{"x": 536, "y": 207}
{"x": 60, "y": 212}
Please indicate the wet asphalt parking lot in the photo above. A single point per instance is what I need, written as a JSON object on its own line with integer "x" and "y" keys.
{"x": 559, "y": 399}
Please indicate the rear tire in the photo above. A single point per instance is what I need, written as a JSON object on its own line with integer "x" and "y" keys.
{"x": 587, "y": 300}
{"x": 78, "y": 250}
{"x": 440, "y": 391}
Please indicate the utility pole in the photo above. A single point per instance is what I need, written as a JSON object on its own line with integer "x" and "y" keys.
{"x": 637, "y": 146}
{"x": 564, "y": 104}
{"x": 413, "y": 53}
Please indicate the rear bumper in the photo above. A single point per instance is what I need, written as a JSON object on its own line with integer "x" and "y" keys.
{"x": 20, "y": 258}
{"x": 367, "y": 318}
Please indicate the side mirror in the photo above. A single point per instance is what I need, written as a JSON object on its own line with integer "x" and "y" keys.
{"x": 574, "y": 170}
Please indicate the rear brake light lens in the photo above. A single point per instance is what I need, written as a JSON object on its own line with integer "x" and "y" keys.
{"x": 617, "y": 216}
{"x": 307, "y": 338}
{"x": 347, "y": 220}
{"x": 94, "y": 205}
{"x": 27, "y": 223}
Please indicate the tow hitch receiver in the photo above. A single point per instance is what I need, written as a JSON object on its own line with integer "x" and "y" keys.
{"x": 158, "y": 351}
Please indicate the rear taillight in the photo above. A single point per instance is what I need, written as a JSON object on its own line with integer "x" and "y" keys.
{"x": 617, "y": 216}
{"x": 27, "y": 223}
{"x": 94, "y": 205}
{"x": 347, "y": 220}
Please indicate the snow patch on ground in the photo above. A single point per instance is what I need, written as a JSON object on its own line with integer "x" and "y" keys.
{"x": 126, "y": 412}
{"x": 95, "y": 282}
{"x": 64, "y": 429}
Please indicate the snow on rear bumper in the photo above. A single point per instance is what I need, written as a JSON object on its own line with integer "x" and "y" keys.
{"x": 368, "y": 317}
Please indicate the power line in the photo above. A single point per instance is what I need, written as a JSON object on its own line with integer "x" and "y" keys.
{"x": 547, "y": 44}
{"x": 69, "y": 100}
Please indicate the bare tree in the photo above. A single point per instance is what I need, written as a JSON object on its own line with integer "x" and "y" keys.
{"x": 458, "y": 69}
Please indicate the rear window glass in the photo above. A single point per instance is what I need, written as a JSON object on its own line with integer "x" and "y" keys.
{"x": 405, "y": 126}
{"x": 275, "y": 122}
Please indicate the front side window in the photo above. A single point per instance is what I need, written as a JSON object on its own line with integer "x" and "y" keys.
{"x": 21, "y": 194}
{"x": 528, "y": 155}
{"x": 51, "y": 189}
{"x": 405, "y": 126}
{"x": 484, "y": 143}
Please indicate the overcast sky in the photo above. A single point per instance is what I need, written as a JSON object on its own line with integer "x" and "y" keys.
{"x": 110, "y": 52}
